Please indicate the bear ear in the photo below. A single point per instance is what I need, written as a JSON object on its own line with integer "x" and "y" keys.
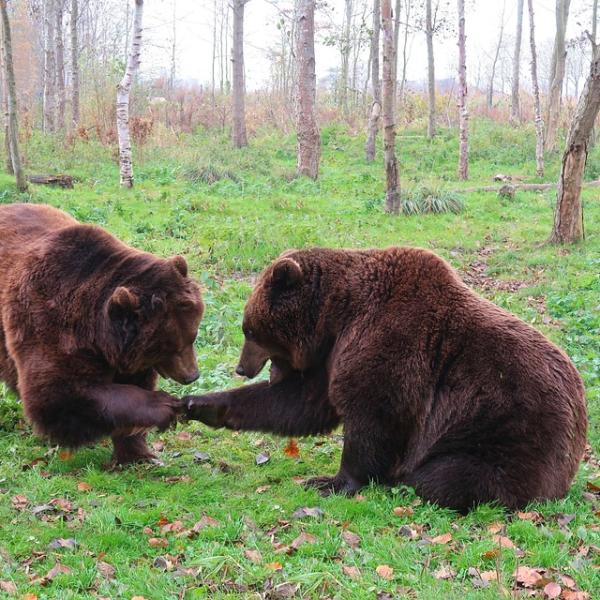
{"x": 287, "y": 273}
{"x": 123, "y": 300}
{"x": 180, "y": 264}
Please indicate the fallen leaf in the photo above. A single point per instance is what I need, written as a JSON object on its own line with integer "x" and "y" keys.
{"x": 530, "y": 516}
{"x": 62, "y": 504}
{"x": 306, "y": 511}
{"x": 567, "y": 581}
{"x": 65, "y": 455}
{"x": 163, "y": 563}
{"x": 593, "y": 487}
{"x": 19, "y": 502}
{"x": 147, "y": 530}
{"x": 184, "y": 436}
{"x": 352, "y": 572}
{"x": 494, "y": 553}
{"x": 404, "y": 511}
{"x": 409, "y": 532}
{"x": 8, "y": 586}
{"x": 274, "y": 566}
{"x": 83, "y": 486}
{"x": 352, "y": 539}
{"x": 489, "y": 575}
{"x": 528, "y": 577}
{"x": 41, "y": 509}
{"x": 159, "y": 446}
{"x": 174, "y": 527}
{"x": 262, "y": 458}
{"x": 504, "y": 542}
{"x": 292, "y": 449}
{"x": 57, "y": 569}
{"x": 155, "y": 542}
{"x": 201, "y": 457}
{"x": 138, "y": 598}
{"x": 261, "y": 489}
{"x": 303, "y": 538}
{"x": 29, "y": 596}
{"x": 571, "y": 595}
{"x": 253, "y": 556}
{"x": 59, "y": 543}
{"x": 442, "y": 539}
{"x": 284, "y": 590}
{"x": 552, "y": 590}
{"x": 496, "y": 527}
{"x": 444, "y": 572}
{"x": 106, "y": 570}
{"x": 205, "y": 521}
{"x": 385, "y": 571}
{"x": 360, "y": 498}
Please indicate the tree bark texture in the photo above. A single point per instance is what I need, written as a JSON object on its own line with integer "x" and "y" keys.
{"x": 539, "y": 123}
{"x": 373, "y": 126}
{"x": 74, "y": 62}
{"x": 49, "y": 97}
{"x": 430, "y": 71}
{"x": 463, "y": 159}
{"x": 61, "y": 99}
{"x": 240, "y": 138}
{"x": 515, "y": 107}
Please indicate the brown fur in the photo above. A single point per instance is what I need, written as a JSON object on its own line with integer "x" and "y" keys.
{"x": 436, "y": 387}
{"x": 86, "y": 324}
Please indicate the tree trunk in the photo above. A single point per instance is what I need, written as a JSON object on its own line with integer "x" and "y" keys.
{"x": 568, "y": 215}
{"x": 396, "y": 21}
{"x": 539, "y": 123}
{"x": 61, "y": 99}
{"x": 392, "y": 189}
{"x": 490, "y": 95}
{"x": 430, "y": 71}
{"x": 123, "y": 91}
{"x": 74, "y": 63}
{"x": 49, "y": 98}
{"x": 515, "y": 108}
{"x": 558, "y": 74}
{"x": 13, "y": 128}
{"x": 463, "y": 160}
{"x": 6, "y": 115}
{"x": 309, "y": 143}
{"x": 345, "y": 57}
{"x": 239, "y": 87}
{"x": 375, "y": 83}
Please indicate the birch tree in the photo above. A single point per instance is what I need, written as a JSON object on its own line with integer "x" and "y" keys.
{"x": 59, "y": 45}
{"x": 515, "y": 109}
{"x": 392, "y": 189}
{"x": 123, "y": 93}
{"x": 490, "y": 94}
{"x": 559, "y": 57}
{"x": 539, "y": 123}
{"x": 568, "y": 215}
{"x": 373, "y": 126}
{"x": 49, "y": 74}
{"x": 463, "y": 160}
{"x": 240, "y": 138}
{"x": 309, "y": 145}
{"x": 13, "y": 125}
{"x": 430, "y": 71}
{"x": 74, "y": 63}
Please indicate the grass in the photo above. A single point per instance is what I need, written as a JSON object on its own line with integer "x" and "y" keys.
{"x": 230, "y": 213}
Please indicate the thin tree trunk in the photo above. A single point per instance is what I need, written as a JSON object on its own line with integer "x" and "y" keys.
{"x": 568, "y": 215}
{"x": 396, "y": 20}
{"x": 392, "y": 189}
{"x": 173, "y": 71}
{"x": 123, "y": 92}
{"x": 214, "y": 54}
{"x": 430, "y": 71}
{"x": 539, "y": 123}
{"x": 3, "y": 83}
{"x": 373, "y": 126}
{"x": 407, "y": 9}
{"x": 309, "y": 145}
{"x": 490, "y": 95}
{"x": 463, "y": 160}
{"x": 13, "y": 129}
{"x": 49, "y": 98}
{"x": 345, "y": 56}
{"x": 558, "y": 75}
{"x": 74, "y": 63}
{"x": 239, "y": 88}
{"x": 61, "y": 99}
{"x": 515, "y": 108}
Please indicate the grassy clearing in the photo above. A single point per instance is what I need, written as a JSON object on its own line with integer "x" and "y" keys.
{"x": 230, "y": 213}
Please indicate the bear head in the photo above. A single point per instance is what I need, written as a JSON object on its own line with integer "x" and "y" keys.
{"x": 153, "y": 318}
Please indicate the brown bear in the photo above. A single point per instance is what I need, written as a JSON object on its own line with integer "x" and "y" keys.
{"x": 436, "y": 387}
{"x": 86, "y": 324}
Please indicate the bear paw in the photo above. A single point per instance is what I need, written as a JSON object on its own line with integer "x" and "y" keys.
{"x": 333, "y": 485}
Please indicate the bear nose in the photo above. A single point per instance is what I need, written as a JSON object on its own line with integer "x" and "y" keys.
{"x": 192, "y": 377}
{"x": 240, "y": 371}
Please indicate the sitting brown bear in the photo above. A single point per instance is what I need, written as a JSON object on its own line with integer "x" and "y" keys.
{"x": 436, "y": 387}
{"x": 86, "y": 323}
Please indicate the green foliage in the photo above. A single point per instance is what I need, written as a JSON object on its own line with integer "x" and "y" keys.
{"x": 230, "y": 212}
{"x": 423, "y": 200}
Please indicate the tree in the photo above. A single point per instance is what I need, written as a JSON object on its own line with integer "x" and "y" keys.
{"x": 539, "y": 124}
{"x": 123, "y": 92}
{"x": 430, "y": 71}
{"x": 559, "y": 57}
{"x": 515, "y": 108}
{"x": 61, "y": 99}
{"x": 240, "y": 138}
{"x": 373, "y": 126}
{"x": 49, "y": 97}
{"x": 13, "y": 125}
{"x": 568, "y": 215}
{"x": 490, "y": 94}
{"x": 345, "y": 46}
{"x": 309, "y": 143}
{"x": 74, "y": 63}
{"x": 392, "y": 190}
{"x": 463, "y": 161}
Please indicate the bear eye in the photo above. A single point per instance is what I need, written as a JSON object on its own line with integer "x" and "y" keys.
{"x": 249, "y": 334}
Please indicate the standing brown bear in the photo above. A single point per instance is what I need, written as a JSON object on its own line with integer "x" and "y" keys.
{"x": 436, "y": 387}
{"x": 86, "y": 323}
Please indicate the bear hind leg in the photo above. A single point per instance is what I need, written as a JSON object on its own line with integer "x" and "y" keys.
{"x": 461, "y": 482}
{"x": 131, "y": 449}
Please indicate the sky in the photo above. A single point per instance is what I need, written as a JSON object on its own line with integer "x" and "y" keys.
{"x": 194, "y": 37}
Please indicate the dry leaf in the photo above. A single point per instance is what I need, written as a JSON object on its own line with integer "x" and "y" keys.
{"x": 19, "y": 502}
{"x": 552, "y": 590}
{"x": 254, "y": 556}
{"x": 571, "y": 595}
{"x": 83, "y": 486}
{"x": 360, "y": 498}
{"x": 303, "y": 538}
{"x": 59, "y": 543}
{"x": 385, "y": 571}
{"x": 65, "y": 455}
{"x": 504, "y": 542}
{"x": 155, "y": 542}
{"x": 262, "y": 489}
{"x": 491, "y": 553}
{"x": 352, "y": 539}
{"x": 262, "y": 458}
{"x": 184, "y": 436}
{"x": 29, "y": 596}
{"x": 138, "y": 598}
{"x": 593, "y": 487}
{"x": 62, "y": 504}
{"x": 496, "y": 527}
{"x": 351, "y": 572}
{"x": 306, "y": 511}
{"x": 489, "y": 575}
{"x": 442, "y": 539}
{"x": 528, "y": 577}
{"x": 274, "y": 566}
{"x": 106, "y": 570}
{"x": 530, "y": 516}
{"x": 292, "y": 449}
{"x": 567, "y": 581}
{"x": 404, "y": 511}
{"x": 444, "y": 572}
{"x": 8, "y": 586}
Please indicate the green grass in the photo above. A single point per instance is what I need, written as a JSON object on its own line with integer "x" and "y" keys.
{"x": 230, "y": 213}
